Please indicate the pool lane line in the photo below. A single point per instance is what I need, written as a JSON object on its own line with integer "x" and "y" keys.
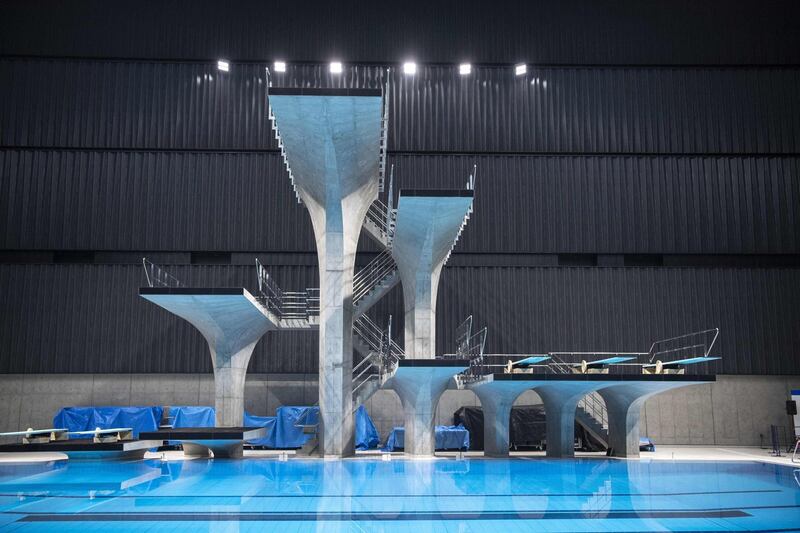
{"x": 514, "y": 495}
{"x": 376, "y": 516}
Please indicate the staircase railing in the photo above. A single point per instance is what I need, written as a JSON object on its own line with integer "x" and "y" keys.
{"x": 285, "y": 304}
{"x": 157, "y": 276}
{"x": 384, "y": 218}
{"x": 384, "y": 353}
{"x": 472, "y": 348}
{"x": 372, "y": 274}
{"x": 384, "y": 140}
{"x": 463, "y": 334}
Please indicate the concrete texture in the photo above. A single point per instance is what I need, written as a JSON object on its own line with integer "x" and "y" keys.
{"x": 733, "y": 411}
{"x": 425, "y": 233}
{"x": 419, "y": 390}
{"x": 497, "y": 398}
{"x": 331, "y": 145}
{"x": 232, "y": 324}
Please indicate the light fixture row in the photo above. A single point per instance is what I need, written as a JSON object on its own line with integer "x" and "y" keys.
{"x": 409, "y": 67}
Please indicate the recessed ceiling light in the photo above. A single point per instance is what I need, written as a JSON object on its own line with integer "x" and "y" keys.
{"x": 409, "y": 68}
{"x": 280, "y": 66}
{"x": 336, "y": 67}
{"x": 464, "y": 69}
{"x": 223, "y": 65}
{"x": 520, "y": 69}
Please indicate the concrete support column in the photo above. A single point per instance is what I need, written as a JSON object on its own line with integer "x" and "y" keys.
{"x": 331, "y": 140}
{"x": 230, "y": 371}
{"x": 624, "y": 407}
{"x": 420, "y": 389}
{"x": 428, "y": 224}
{"x": 497, "y": 399}
{"x": 560, "y": 400}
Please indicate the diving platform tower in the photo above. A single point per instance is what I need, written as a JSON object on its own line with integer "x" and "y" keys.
{"x": 333, "y": 143}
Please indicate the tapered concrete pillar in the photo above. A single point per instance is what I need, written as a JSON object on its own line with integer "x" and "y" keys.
{"x": 420, "y": 385}
{"x": 428, "y": 225}
{"x": 497, "y": 398}
{"x": 624, "y": 407}
{"x": 331, "y": 140}
{"x": 232, "y": 322}
{"x": 560, "y": 399}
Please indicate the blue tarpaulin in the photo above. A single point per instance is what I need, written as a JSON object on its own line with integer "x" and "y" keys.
{"x": 447, "y": 438}
{"x": 191, "y": 416}
{"x": 88, "y": 418}
{"x": 366, "y": 434}
{"x": 261, "y": 422}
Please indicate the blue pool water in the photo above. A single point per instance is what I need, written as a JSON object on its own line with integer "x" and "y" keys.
{"x": 367, "y": 495}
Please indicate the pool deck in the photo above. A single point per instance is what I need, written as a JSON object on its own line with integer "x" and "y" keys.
{"x": 662, "y": 453}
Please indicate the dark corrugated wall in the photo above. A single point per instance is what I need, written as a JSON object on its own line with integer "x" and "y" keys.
{"x": 657, "y": 128}
{"x": 89, "y": 318}
{"x": 179, "y": 201}
{"x": 116, "y": 104}
{"x": 543, "y": 31}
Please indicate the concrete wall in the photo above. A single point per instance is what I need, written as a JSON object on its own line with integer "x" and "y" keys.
{"x": 733, "y": 411}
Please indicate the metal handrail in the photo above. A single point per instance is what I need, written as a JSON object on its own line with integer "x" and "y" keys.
{"x": 157, "y": 276}
{"x": 463, "y": 334}
{"x": 285, "y": 304}
{"x": 384, "y": 218}
{"x": 371, "y": 275}
{"x": 706, "y": 346}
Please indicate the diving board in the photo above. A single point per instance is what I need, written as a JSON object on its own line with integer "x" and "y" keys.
{"x": 600, "y": 365}
{"x": 677, "y": 367}
{"x": 107, "y": 435}
{"x": 525, "y": 365}
{"x": 35, "y": 436}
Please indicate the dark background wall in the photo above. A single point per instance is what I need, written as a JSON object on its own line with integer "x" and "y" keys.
{"x": 641, "y": 181}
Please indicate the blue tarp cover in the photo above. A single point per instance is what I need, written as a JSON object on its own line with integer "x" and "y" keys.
{"x": 447, "y": 438}
{"x": 366, "y": 434}
{"x": 268, "y": 422}
{"x": 88, "y": 418}
{"x": 191, "y": 416}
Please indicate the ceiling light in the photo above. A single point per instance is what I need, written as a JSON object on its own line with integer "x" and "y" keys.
{"x": 280, "y": 66}
{"x": 464, "y": 69}
{"x": 223, "y": 65}
{"x": 336, "y": 67}
{"x": 409, "y": 68}
{"x": 519, "y": 70}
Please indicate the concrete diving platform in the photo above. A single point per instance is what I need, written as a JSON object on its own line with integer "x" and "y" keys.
{"x": 223, "y": 442}
{"x": 333, "y": 144}
{"x": 624, "y": 396}
{"x": 232, "y": 321}
{"x": 429, "y": 222}
{"x": 420, "y": 383}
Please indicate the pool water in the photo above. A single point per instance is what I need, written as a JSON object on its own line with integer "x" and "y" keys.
{"x": 474, "y": 494}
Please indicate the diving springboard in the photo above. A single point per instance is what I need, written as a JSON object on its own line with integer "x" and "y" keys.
{"x": 526, "y": 364}
{"x": 107, "y": 435}
{"x": 660, "y": 366}
{"x": 31, "y": 436}
{"x": 600, "y": 365}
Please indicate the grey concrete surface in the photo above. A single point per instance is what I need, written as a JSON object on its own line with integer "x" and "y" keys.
{"x": 426, "y": 230}
{"x": 419, "y": 390}
{"x": 232, "y": 324}
{"x": 733, "y": 411}
{"x": 332, "y": 151}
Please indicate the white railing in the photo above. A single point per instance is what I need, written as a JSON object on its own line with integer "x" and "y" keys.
{"x": 695, "y": 344}
{"x": 157, "y": 276}
{"x": 383, "y": 357}
{"x": 372, "y": 275}
{"x": 383, "y": 150}
{"x": 383, "y": 218}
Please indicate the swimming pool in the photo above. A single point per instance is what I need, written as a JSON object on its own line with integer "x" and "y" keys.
{"x": 475, "y": 494}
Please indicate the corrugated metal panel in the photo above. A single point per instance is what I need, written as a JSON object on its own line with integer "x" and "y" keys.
{"x": 104, "y": 104}
{"x": 582, "y": 31}
{"x": 244, "y": 202}
{"x": 89, "y": 318}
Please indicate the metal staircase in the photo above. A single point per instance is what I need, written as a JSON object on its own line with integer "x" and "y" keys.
{"x": 373, "y": 281}
{"x": 380, "y": 355}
